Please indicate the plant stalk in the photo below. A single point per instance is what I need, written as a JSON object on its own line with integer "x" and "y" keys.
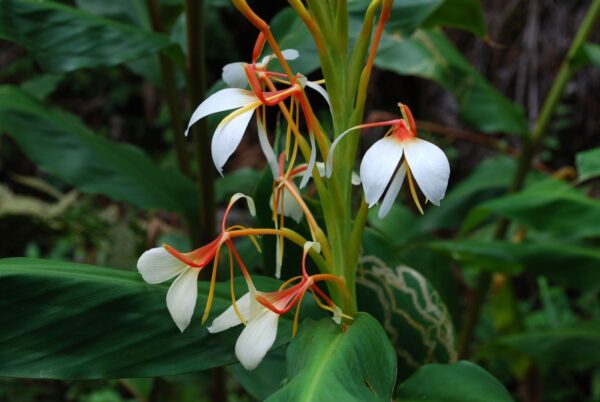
{"x": 526, "y": 156}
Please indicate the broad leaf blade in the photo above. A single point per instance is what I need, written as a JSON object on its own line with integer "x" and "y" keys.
{"x": 59, "y": 144}
{"x": 326, "y": 363}
{"x": 460, "y": 382}
{"x": 63, "y": 38}
{"x": 72, "y": 321}
{"x": 588, "y": 164}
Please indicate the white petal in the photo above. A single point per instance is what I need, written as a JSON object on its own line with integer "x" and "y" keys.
{"x": 229, "y": 318}
{"x": 430, "y": 168}
{"x": 291, "y": 208}
{"x": 329, "y": 162}
{"x": 227, "y": 137}
{"x": 181, "y": 298}
{"x": 320, "y": 90}
{"x": 311, "y": 162}
{"x": 355, "y": 179}
{"x": 256, "y": 339}
{"x": 290, "y": 54}
{"x": 378, "y": 167}
{"x": 158, "y": 265}
{"x": 278, "y": 258}
{"x": 234, "y": 75}
{"x": 267, "y": 149}
{"x": 251, "y": 207}
{"x": 392, "y": 192}
{"x": 225, "y": 99}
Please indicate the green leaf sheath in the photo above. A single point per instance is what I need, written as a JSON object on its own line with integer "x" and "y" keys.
{"x": 61, "y": 145}
{"x": 72, "y": 321}
{"x": 327, "y": 363}
{"x": 63, "y": 38}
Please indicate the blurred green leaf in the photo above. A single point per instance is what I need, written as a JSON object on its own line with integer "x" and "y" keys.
{"x": 551, "y": 206}
{"x": 460, "y": 14}
{"x": 460, "y": 382}
{"x": 42, "y": 86}
{"x": 63, "y": 38}
{"x": 411, "y": 312}
{"x": 587, "y": 53}
{"x": 588, "y": 164}
{"x": 72, "y": 321}
{"x": 328, "y": 363}
{"x": 58, "y": 143}
{"x": 572, "y": 265}
{"x": 239, "y": 181}
{"x": 576, "y": 347}
{"x": 429, "y": 54}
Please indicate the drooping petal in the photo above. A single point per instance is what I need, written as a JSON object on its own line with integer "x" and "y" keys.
{"x": 430, "y": 168}
{"x": 256, "y": 339}
{"x": 311, "y": 162}
{"x": 334, "y": 144}
{"x": 234, "y": 75}
{"x": 228, "y": 136}
{"x": 378, "y": 167}
{"x": 288, "y": 206}
{"x": 158, "y": 265}
{"x": 225, "y": 99}
{"x": 249, "y": 201}
{"x": 267, "y": 149}
{"x": 392, "y": 192}
{"x": 181, "y": 297}
{"x": 229, "y": 318}
{"x": 320, "y": 90}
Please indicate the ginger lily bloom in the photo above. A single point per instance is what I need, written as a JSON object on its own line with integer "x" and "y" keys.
{"x": 400, "y": 153}
{"x": 260, "y": 312}
{"x": 160, "y": 264}
{"x": 234, "y": 74}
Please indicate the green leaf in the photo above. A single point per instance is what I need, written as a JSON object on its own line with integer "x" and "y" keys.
{"x": 460, "y": 382}
{"x": 63, "y": 38}
{"x": 58, "y": 143}
{"x": 551, "y": 206}
{"x": 264, "y": 380}
{"x": 587, "y": 53}
{"x": 410, "y": 310}
{"x": 570, "y": 264}
{"x": 576, "y": 346}
{"x": 72, "y": 321}
{"x": 460, "y": 14}
{"x": 588, "y": 164}
{"x": 429, "y": 54}
{"x": 328, "y": 363}
{"x": 242, "y": 180}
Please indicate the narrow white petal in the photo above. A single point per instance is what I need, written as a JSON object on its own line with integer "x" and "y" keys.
{"x": 329, "y": 165}
{"x": 430, "y": 168}
{"x": 355, "y": 179}
{"x": 234, "y": 75}
{"x": 278, "y": 258}
{"x": 312, "y": 244}
{"x": 158, "y": 265}
{"x": 311, "y": 162}
{"x": 392, "y": 192}
{"x": 256, "y": 339}
{"x": 181, "y": 297}
{"x": 249, "y": 200}
{"x": 290, "y": 54}
{"x": 288, "y": 206}
{"x": 229, "y": 318}
{"x": 320, "y": 90}
{"x": 267, "y": 149}
{"x": 227, "y": 137}
{"x": 225, "y": 99}
{"x": 378, "y": 167}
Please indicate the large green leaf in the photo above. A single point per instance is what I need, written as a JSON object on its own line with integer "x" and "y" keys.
{"x": 411, "y": 312}
{"x": 460, "y": 382}
{"x": 328, "y": 363}
{"x": 588, "y": 164}
{"x": 570, "y": 264}
{"x": 429, "y": 54}
{"x": 461, "y": 14}
{"x": 65, "y": 320}
{"x": 58, "y": 143}
{"x": 551, "y": 206}
{"x": 576, "y": 346}
{"x": 63, "y": 38}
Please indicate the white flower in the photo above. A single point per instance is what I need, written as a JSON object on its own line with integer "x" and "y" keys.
{"x": 158, "y": 265}
{"x": 235, "y": 76}
{"x": 259, "y": 334}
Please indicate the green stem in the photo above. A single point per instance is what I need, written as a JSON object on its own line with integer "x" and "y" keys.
{"x": 197, "y": 86}
{"x": 526, "y": 156}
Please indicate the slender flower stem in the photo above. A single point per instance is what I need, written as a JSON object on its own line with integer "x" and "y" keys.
{"x": 197, "y": 85}
{"x": 524, "y": 164}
